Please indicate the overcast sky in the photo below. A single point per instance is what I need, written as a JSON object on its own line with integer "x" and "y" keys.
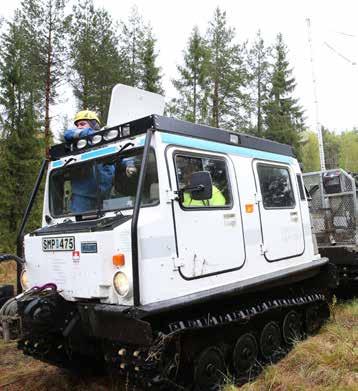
{"x": 334, "y": 35}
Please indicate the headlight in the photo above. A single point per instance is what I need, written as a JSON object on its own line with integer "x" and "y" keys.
{"x": 96, "y": 139}
{"x": 110, "y": 135}
{"x": 121, "y": 283}
{"x": 24, "y": 281}
{"x": 81, "y": 144}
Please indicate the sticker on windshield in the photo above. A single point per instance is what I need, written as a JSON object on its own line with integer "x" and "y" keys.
{"x": 62, "y": 243}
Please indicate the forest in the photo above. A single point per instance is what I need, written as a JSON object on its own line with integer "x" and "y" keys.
{"x": 222, "y": 80}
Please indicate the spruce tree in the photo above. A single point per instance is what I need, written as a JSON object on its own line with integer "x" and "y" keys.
{"x": 137, "y": 50}
{"x": 192, "y": 82}
{"x": 21, "y": 143}
{"x": 284, "y": 117}
{"x": 228, "y": 102}
{"x": 131, "y": 40}
{"x": 96, "y": 65}
{"x": 259, "y": 67}
{"x": 150, "y": 73}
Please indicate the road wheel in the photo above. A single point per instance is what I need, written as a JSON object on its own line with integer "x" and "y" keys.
{"x": 209, "y": 368}
{"x": 292, "y": 327}
{"x": 245, "y": 353}
{"x": 270, "y": 341}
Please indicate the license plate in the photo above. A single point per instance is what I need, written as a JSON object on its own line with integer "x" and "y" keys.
{"x": 62, "y": 243}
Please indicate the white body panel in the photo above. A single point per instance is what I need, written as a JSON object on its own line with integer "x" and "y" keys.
{"x": 282, "y": 229}
{"x": 209, "y": 248}
{"x": 129, "y": 103}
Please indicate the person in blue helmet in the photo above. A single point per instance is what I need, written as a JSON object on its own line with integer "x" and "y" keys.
{"x": 84, "y": 184}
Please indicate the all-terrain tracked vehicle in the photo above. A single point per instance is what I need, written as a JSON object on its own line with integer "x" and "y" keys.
{"x": 199, "y": 263}
{"x": 334, "y": 213}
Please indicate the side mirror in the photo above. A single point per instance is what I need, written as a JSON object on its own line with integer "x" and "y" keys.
{"x": 200, "y": 186}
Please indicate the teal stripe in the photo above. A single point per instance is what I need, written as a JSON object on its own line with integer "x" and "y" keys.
{"x": 57, "y": 163}
{"x": 98, "y": 153}
{"x": 223, "y": 148}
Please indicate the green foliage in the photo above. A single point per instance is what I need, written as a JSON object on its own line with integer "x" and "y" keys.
{"x": 96, "y": 65}
{"x": 45, "y": 25}
{"x": 284, "y": 117}
{"x": 310, "y": 153}
{"x": 192, "y": 104}
{"x": 228, "y": 103}
{"x": 259, "y": 67}
{"x": 349, "y": 151}
{"x": 137, "y": 50}
{"x": 21, "y": 144}
{"x": 331, "y": 146}
{"x": 150, "y": 77}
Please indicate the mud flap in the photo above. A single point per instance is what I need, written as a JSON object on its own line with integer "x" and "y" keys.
{"x": 106, "y": 321}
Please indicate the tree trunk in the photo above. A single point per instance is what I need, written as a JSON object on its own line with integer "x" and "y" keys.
{"x": 48, "y": 86}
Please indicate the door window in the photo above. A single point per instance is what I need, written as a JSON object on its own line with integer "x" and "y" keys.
{"x": 221, "y": 195}
{"x": 276, "y": 187}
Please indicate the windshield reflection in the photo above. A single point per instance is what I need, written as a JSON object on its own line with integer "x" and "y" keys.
{"x": 102, "y": 185}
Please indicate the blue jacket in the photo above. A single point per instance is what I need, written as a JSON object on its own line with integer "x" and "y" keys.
{"x": 72, "y": 134}
{"x": 84, "y": 185}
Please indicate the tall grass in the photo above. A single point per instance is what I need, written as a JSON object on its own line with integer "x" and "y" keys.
{"x": 325, "y": 362}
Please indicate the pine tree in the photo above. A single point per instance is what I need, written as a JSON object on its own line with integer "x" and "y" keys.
{"x": 96, "y": 64}
{"x": 45, "y": 25}
{"x": 21, "y": 144}
{"x": 228, "y": 103}
{"x": 259, "y": 67}
{"x": 284, "y": 116}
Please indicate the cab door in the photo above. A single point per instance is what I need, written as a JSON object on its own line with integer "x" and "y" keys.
{"x": 280, "y": 213}
{"x": 209, "y": 233}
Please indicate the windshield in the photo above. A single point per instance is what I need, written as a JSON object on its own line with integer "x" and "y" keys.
{"x": 102, "y": 185}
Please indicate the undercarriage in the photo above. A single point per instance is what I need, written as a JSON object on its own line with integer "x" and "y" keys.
{"x": 191, "y": 349}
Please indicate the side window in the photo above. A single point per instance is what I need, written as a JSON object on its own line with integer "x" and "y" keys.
{"x": 276, "y": 187}
{"x": 221, "y": 193}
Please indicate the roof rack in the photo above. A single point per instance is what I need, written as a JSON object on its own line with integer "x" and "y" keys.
{"x": 168, "y": 125}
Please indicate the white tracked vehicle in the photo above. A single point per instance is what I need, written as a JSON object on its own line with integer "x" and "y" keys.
{"x": 201, "y": 263}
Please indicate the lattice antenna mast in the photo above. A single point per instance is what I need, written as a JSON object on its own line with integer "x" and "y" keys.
{"x": 314, "y": 83}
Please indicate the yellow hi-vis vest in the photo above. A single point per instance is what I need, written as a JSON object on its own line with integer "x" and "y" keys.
{"x": 217, "y": 199}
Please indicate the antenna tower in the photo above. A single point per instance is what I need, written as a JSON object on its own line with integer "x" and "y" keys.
{"x": 314, "y": 83}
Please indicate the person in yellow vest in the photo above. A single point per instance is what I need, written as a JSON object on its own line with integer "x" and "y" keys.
{"x": 217, "y": 198}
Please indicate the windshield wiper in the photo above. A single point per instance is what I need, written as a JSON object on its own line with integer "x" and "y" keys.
{"x": 125, "y": 146}
{"x": 69, "y": 161}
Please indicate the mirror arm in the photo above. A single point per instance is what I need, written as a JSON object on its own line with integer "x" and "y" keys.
{"x": 193, "y": 188}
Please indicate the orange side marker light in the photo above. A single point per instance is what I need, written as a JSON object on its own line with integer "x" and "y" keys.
{"x": 118, "y": 260}
{"x": 249, "y": 208}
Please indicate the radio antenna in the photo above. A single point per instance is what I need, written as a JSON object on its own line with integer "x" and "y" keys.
{"x": 314, "y": 83}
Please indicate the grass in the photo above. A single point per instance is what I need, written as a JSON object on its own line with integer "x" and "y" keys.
{"x": 325, "y": 362}
{"x": 8, "y": 273}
